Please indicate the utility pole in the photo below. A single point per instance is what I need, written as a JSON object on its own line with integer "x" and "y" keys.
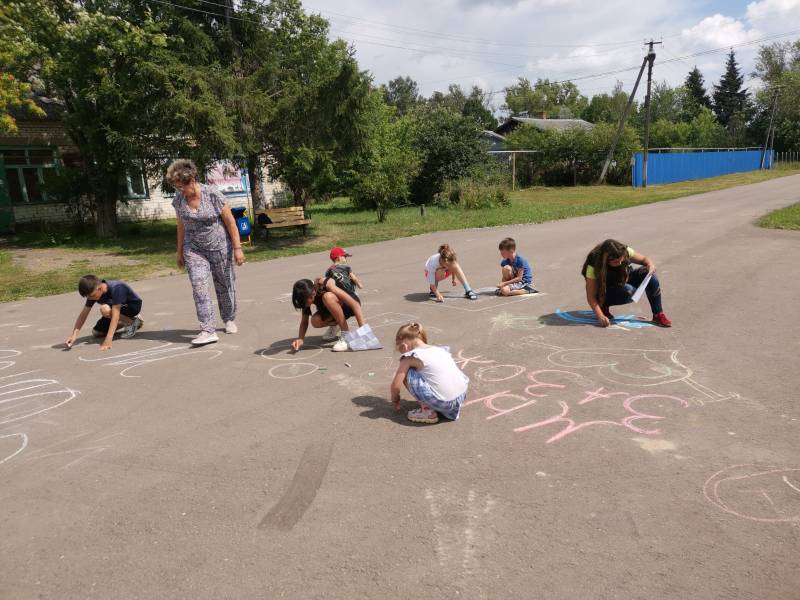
{"x": 645, "y": 61}
{"x": 621, "y": 125}
{"x": 651, "y": 58}
{"x": 769, "y": 129}
{"x": 228, "y": 11}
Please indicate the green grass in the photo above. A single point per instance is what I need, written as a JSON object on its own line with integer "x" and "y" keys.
{"x": 784, "y": 218}
{"x": 335, "y": 223}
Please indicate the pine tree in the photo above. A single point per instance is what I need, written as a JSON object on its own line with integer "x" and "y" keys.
{"x": 730, "y": 99}
{"x": 695, "y": 87}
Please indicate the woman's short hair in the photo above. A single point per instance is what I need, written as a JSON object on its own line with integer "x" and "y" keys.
{"x": 182, "y": 170}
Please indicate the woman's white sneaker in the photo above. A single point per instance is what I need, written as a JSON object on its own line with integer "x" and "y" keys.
{"x": 331, "y": 334}
{"x": 230, "y": 327}
{"x": 340, "y": 346}
{"x": 205, "y": 338}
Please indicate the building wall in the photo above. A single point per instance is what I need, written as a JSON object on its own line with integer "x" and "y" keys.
{"x": 158, "y": 206}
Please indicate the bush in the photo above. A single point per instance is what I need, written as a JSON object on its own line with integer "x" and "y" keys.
{"x": 572, "y": 156}
{"x": 485, "y": 187}
{"x": 449, "y": 145}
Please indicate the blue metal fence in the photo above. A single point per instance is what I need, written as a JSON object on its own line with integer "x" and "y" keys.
{"x": 669, "y": 167}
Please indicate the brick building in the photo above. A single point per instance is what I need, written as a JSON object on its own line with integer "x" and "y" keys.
{"x": 41, "y": 146}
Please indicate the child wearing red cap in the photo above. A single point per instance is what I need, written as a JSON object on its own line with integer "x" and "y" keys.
{"x": 344, "y": 278}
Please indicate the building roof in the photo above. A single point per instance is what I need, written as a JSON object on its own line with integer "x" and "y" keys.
{"x": 493, "y": 135}
{"x": 543, "y": 124}
{"x": 52, "y": 107}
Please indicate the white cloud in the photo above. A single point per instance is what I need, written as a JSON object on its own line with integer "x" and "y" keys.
{"x": 767, "y": 10}
{"x": 719, "y": 30}
{"x": 493, "y": 42}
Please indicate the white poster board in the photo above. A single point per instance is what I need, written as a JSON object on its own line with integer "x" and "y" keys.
{"x": 637, "y": 295}
{"x": 362, "y": 338}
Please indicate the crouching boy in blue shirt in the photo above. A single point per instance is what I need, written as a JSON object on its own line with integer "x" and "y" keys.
{"x": 119, "y": 306}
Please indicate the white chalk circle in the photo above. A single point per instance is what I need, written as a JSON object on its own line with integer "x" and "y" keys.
{"x": 512, "y": 371}
{"x": 316, "y": 350}
{"x": 292, "y": 370}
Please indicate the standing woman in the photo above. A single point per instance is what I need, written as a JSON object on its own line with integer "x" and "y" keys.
{"x": 610, "y": 280}
{"x": 208, "y": 244}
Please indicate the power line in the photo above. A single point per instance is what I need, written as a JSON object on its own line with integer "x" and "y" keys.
{"x": 572, "y": 79}
{"x": 470, "y": 39}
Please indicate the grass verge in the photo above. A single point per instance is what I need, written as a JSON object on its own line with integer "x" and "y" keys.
{"x": 783, "y": 218}
{"x": 151, "y": 245}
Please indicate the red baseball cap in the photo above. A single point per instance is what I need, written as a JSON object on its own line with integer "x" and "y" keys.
{"x": 337, "y": 252}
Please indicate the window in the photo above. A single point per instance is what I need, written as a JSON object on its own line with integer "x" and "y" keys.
{"x": 26, "y": 170}
{"x": 133, "y": 185}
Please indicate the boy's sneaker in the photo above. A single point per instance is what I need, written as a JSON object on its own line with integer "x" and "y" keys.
{"x": 341, "y": 346}
{"x": 423, "y": 415}
{"x": 205, "y": 338}
{"x": 471, "y": 295}
{"x": 431, "y": 294}
{"x": 230, "y": 327}
{"x": 331, "y": 334}
{"x": 662, "y": 320}
{"x": 131, "y": 329}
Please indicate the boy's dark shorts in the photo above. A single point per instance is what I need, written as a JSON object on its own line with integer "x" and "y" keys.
{"x": 129, "y": 310}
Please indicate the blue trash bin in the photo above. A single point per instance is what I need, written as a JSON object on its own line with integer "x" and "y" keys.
{"x": 242, "y": 222}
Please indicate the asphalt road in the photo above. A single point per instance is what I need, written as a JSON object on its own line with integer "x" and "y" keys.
{"x": 630, "y": 462}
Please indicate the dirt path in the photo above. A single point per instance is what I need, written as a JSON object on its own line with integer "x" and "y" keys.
{"x": 41, "y": 260}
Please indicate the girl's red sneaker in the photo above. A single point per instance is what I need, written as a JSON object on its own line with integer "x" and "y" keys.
{"x": 661, "y": 319}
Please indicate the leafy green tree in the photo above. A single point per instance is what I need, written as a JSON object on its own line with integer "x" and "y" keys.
{"x": 389, "y": 163}
{"x": 778, "y": 66}
{"x": 561, "y": 99}
{"x": 575, "y": 155}
{"x": 15, "y": 52}
{"x": 319, "y": 129}
{"x": 703, "y": 131}
{"x": 608, "y": 108}
{"x": 665, "y": 102}
{"x": 730, "y": 98}
{"x": 773, "y": 60}
{"x": 402, "y": 93}
{"x": 128, "y": 91}
{"x": 476, "y": 104}
{"x": 449, "y": 145}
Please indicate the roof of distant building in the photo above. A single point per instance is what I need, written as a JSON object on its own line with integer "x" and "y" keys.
{"x": 543, "y": 124}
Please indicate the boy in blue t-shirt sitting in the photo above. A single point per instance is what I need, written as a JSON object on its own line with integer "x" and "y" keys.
{"x": 516, "y": 273}
{"x": 119, "y": 306}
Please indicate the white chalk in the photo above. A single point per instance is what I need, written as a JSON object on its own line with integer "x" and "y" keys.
{"x": 347, "y": 365}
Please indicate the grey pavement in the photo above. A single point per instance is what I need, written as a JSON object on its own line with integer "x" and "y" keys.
{"x": 630, "y": 462}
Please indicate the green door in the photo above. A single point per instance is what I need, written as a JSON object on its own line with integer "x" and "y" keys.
{"x": 6, "y": 212}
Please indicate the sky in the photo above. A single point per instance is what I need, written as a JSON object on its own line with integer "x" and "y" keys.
{"x": 490, "y": 43}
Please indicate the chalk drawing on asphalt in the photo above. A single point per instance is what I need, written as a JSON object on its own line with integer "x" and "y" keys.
{"x": 763, "y": 494}
{"x": 284, "y": 352}
{"x": 23, "y": 442}
{"x": 630, "y": 366}
{"x": 92, "y": 448}
{"x": 588, "y": 317}
{"x": 292, "y": 370}
{"x": 485, "y": 301}
{"x": 460, "y": 526}
{"x": 572, "y": 410}
{"x": 138, "y": 358}
{"x": 504, "y": 321}
{"x": 23, "y": 397}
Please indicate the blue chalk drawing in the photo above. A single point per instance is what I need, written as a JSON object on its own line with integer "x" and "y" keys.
{"x": 588, "y": 317}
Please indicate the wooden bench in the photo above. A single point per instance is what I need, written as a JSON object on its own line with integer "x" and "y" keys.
{"x": 289, "y": 216}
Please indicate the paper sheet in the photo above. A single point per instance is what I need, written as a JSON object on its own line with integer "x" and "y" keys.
{"x": 362, "y": 338}
{"x": 637, "y": 295}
